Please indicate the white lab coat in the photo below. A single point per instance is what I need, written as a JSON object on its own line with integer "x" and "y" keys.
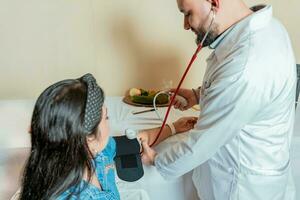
{"x": 240, "y": 146}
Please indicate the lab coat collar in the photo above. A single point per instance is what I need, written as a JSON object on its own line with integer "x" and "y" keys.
{"x": 220, "y": 38}
{"x": 260, "y": 18}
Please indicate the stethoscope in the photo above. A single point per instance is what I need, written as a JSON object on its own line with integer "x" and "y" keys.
{"x": 175, "y": 96}
{"x": 132, "y": 134}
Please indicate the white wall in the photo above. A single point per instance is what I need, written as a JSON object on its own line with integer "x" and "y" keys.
{"x": 132, "y": 43}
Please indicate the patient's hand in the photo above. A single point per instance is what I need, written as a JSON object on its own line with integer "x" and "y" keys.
{"x": 185, "y": 124}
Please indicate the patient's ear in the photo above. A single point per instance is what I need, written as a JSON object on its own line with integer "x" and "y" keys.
{"x": 92, "y": 143}
{"x": 90, "y": 138}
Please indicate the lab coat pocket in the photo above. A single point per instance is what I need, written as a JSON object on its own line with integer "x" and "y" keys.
{"x": 223, "y": 181}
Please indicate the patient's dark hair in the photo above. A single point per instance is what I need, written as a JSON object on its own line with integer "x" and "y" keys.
{"x": 59, "y": 151}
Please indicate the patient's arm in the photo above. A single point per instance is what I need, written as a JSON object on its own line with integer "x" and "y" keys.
{"x": 181, "y": 125}
{"x": 149, "y": 135}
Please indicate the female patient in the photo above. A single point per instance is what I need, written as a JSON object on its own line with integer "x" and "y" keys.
{"x": 71, "y": 147}
{"x": 72, "y": 152}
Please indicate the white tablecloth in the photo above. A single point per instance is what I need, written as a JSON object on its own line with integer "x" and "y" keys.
{"x": 121, "y": 118}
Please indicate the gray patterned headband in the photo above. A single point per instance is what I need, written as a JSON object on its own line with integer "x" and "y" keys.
{"x": 94, "y": 103}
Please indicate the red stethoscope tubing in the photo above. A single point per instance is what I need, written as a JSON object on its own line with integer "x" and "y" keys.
{"x": 216, "y": 4}
{"x": 176, "y": 91}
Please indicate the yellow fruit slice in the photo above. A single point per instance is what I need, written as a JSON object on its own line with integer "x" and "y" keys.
{"x": 134, "y": 92}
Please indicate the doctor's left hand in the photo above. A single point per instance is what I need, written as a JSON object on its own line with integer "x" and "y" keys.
{"x": 148, "y": 154}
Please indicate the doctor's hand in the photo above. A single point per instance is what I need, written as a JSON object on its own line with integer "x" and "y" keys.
{"x": 148, "y": 154}
{"x": 185, "y": 124}
{"x": 188, "y": 95}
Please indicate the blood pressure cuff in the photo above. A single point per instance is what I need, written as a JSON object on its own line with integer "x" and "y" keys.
{"x": 128, "y": 159}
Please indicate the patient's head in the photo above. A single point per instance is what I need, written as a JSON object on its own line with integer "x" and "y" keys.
{"x": 69, "y": 126}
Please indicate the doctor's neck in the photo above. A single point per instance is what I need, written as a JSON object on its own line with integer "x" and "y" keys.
{"x": 230, "y": 12}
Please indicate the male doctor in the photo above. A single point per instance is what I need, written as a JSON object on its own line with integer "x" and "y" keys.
{"x": 240, "y": 146}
